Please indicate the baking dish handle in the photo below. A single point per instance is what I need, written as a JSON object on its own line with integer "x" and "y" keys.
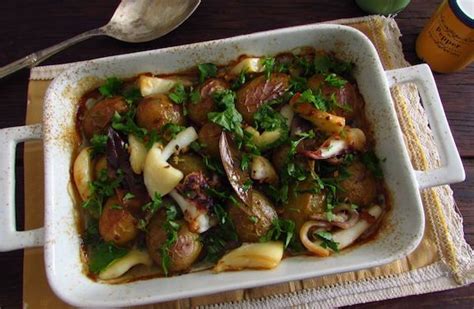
{"x": 10, "y": 238}
{"x": 451, "y": 169}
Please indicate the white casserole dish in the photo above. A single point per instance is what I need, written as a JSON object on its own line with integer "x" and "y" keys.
{"x": 62, "y": 242}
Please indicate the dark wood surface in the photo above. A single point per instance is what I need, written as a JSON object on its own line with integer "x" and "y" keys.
{"x": 30, "y": 25}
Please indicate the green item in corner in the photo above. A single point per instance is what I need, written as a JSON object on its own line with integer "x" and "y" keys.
{"x": 384, "y": 7}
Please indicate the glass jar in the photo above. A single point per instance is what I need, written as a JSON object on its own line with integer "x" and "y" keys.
{"x": 446, "y": 42}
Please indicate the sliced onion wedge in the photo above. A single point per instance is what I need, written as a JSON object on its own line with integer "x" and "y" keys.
{"x": 120, "y": 266}
{"x": 265, "y": 255}
{"x": 82, "y": 173}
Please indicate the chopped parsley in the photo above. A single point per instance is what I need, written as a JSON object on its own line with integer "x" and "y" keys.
{"x": 154, "y": 205}
{"x": 292, "y": 171}
{"x": 298, "y": 84}
{"x": 247, "y": 185}
{"x": 132, "y": 95}
{"x": 372, "y": 163}
{"x": 268, "y": 119}
{"x": 195, "y": 96}
{"x": 179, "y": 95}
{"x": 125, "y": 123}
{"x": 98, "y": 144}
{"x": 172, "y": 129}
{"x": 221, "y": 237}
{"x": 305, "y": 65}
{"x": 103, "y": 254}
{"x": 128, "y": 196}
{"x": 245, "y": 161}
{"x": 213, "y": 165}
{"x": 253, "y": 219}
{"x": 334, "y": 80}
{"x": 101, "y": 188}
{"x": 328, "y": 241}
{"x": 112, "y": 87}
{"x": 316, "y": 99}
{"x": 268, "y": 64}
{"x": 325, "y": 64}
{"x": 239, "y": 81}
{"x": 91, "y": 234}
{"x": 229, "y": 118}
{"x": 282, "y": 229}
{"x": 206, "y": 70}
{"x": 171, "y": 227}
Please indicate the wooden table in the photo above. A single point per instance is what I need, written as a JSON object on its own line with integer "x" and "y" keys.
{"x": 30, "y": 25}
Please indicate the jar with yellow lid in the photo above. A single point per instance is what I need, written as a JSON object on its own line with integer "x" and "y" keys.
{"x": 447, "y": 41}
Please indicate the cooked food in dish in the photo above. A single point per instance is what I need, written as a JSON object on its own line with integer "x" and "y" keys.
{"x": 229, "y": 167}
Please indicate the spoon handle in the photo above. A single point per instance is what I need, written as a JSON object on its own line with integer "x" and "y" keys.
{"x": 39, "y": 56}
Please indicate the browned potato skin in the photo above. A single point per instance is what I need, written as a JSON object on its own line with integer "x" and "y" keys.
{"x": 280, "y": 156}
{"x": 198, "y": 111}
{"x": 117, "y": 225}
{"x": 188, "y": 163}
{"x": 156, "y": 111}
{"x": 360, "y": 187}
{"x": 261, "y": 208}
{"x": 98, "y": 118}
{"x": 183, "y": 253}
{"x": 258, "y": 91}
{"x": 209, "y": 135}
{"x": 346, "y": 95}
{"x": 301, "y": 206}
{"x": 100, "y": 164}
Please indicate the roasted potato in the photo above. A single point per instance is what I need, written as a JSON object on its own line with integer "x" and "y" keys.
{"x": 97, "y": 119}
{"x": 360, "y": 187}
{"x": 280, "y": 156}
{"x": 198, "y": 111}
{"x": 258, "y": 91}
{"x": 301, "y": 206}
{"x": 100, "y": 164}
{"x": 347, "y": 96}
{"x": 209, "y": 135}
{"x": 188, "y": 163}
{"x": 254, "y": 221}
{"x": 117, "y": 224}
{"x": 185, "y": 250}
{"x": 154, "y": 112}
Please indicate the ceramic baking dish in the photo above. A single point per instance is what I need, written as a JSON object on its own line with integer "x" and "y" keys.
{"x": 62, "y": 242}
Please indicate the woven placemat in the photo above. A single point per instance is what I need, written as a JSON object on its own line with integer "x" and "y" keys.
{"x": 442, "y": 261}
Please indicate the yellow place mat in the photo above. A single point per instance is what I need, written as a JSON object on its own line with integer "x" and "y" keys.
{"x": 443, "y": 260}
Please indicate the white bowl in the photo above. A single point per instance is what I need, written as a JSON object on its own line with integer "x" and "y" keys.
{"x": 62, "y": 242}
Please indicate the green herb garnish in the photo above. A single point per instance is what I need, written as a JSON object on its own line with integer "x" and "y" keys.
{"x": 206, "y": 70}
{"x": 268, "y": 64}
{"x": 179, "y": 95}
{"x": 112, "y": 87}
{"x": 328, "y": 241}
{"x": 229, "y": 118}
{"x": 334, "y": 80}
{"x": 372, "y": 163}
{"x": 103, "y": 254}
{"x": 282, "y": 229}
{"x": 98, "y": 144}
{"x": 154, "y": 205}
{"x": 171, "y": 227}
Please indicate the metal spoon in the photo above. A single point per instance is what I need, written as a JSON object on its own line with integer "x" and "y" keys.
{"x": 133, "y": 21}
